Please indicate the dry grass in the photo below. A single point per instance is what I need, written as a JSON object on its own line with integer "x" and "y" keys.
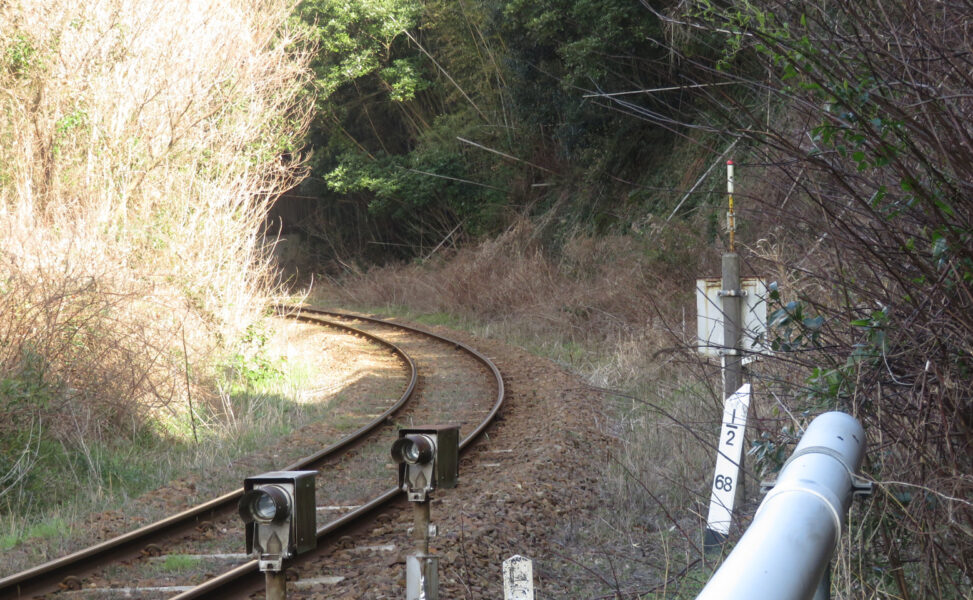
{"x": 141, "y": 145}
{"x": 604, "y": 305}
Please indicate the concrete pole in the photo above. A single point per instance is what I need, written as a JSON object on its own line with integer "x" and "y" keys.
{"x": 518, "y": 578}
{"x": 731, "y": 305}
{"x": 786, "y": 550}
{"x": 276, "y": 584}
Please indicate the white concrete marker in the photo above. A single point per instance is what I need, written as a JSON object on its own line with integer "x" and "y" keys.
{"x": 518, "y": 578}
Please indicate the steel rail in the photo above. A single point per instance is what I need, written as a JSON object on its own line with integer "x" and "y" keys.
{"x": 245, "y": 579}
{"x": 472, "y": 351}
{"x": 47, "y": 577}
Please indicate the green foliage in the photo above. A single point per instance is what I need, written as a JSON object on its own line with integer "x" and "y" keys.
{"x": 399, "y": 81}
{"x": 28, "y": 385}
{"x": 68, "y": 126}
{"x": 50, "y": 528}
{"x": 26, "y": 398}
{"x": 442, "y": 319}
{"x": 251, "y": 365}
{"x": 831, "y": 386}
{"x": 560, "y": 51}
{"x": 357, "y": 40}
{"x": 403, "y": 76}
{"x": 380, "y": 140}
{"x": 770, "y": 452}
{"x": 19, "y": 55}
{"x": 792, "y": 329}
{"x": 589, "y": 42}
{"x": 61, "y": 469}
{"x": 431, "y": 182}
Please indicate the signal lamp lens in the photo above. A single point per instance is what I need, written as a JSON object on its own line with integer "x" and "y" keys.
{"x": 268, "y": 504}
{"x": 264, "y": 508}
{"x": 411, "y": 453}
{"x": 413, "y": 449}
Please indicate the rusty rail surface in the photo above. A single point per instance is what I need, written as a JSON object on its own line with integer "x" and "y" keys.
{"x": 246, "y": 578}
{"x": 47, "y": 577}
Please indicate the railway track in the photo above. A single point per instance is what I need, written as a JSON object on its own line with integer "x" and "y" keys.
{"x": 439, "y": 378}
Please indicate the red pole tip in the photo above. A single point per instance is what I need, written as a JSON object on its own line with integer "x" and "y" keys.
{"x": 729, "y": 162}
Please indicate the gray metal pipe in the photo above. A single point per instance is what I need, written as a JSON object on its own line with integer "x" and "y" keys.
{"x": 785, "y": 551}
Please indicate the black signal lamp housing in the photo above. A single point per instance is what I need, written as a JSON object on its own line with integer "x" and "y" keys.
{"x": 428, "y": 458}
{"x": 279, "y": 512}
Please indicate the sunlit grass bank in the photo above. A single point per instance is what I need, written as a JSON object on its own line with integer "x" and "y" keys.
{"x": 141, "y": 143}
{"x": 251, "y": 413}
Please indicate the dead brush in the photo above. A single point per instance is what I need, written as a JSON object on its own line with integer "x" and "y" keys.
{"x": 142, "y": 147}
{"x": 600, "y": 293}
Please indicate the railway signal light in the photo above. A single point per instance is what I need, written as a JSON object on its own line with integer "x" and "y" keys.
{"x": 278, "y": 509}
{"x": 428, "y": 458}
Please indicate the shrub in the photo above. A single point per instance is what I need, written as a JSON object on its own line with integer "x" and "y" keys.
{"x": 140, "y": 145}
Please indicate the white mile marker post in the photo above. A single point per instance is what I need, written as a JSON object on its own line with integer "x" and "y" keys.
{"x": 518, "y": 578}
{"x": 727, "y": 469}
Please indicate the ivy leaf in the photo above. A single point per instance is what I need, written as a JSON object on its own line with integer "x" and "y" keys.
{"x": 814, "y": 323}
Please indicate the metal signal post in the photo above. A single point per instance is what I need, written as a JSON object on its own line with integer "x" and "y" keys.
{"x": 731, "y": 297}
{"x": 732, "y": 301}
{"x": 428, "y": 459}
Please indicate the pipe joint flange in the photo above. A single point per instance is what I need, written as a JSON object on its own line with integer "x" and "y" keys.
{"x": 822, "y": 493}
{"x": 838, "y": 456}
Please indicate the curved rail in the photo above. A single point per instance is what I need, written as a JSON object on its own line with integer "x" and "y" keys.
{"x": 472, "y": 351}
{"x": 244, "y": 578}
{"x": 46, "y": 577}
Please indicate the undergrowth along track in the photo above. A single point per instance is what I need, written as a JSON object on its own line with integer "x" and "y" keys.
{"x": 49, "y": 578}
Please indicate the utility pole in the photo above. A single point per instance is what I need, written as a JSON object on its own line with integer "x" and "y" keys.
{"x": 727, "y": 483}
{"x": 732, "y": 297}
